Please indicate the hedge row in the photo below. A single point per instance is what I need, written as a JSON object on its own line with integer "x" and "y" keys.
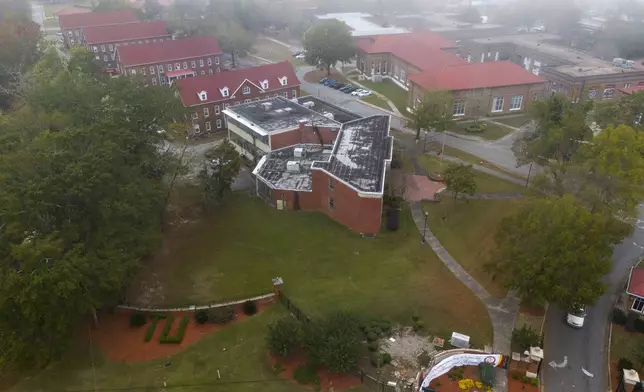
{"x": 178, "y": 337}
{"x": 155, "y": 317}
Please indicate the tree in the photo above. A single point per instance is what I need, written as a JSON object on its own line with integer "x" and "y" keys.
{"x": 284, "y": 336}
{"x": 328, "y": 42}
{"x": 152, "y": 9}
{"x": 460, "y": 179}
{"x": 627, "y": 110}
{"x": 433, "y": 112}
{"x": 555, "y": 250}
{"x": 525, "y": 337}
{"x": 233, "y": 39}
{"x": 219, "y": 173}
{"x": 334, "y": 342}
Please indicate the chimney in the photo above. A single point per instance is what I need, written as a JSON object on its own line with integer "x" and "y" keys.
{"x": 302, "y": 125}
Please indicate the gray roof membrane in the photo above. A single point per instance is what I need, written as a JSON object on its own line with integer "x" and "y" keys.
{"x": 274, "y": 169}
{"x": 326, "y": 108}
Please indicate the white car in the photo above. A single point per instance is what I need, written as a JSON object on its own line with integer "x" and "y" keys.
{"x": 576, "y": 317}
{"x": 358, "y": 91}
{"x": 364, "y": 93}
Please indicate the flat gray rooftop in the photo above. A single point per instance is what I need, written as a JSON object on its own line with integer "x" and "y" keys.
{"x": 361, "y": 25}
{"x": 278, "y": 113}
{"x": 360, "y": 153}
{"x": 584, "y": 70}
{"x": 324, "y": 108}
{"x": 273, "y": 166}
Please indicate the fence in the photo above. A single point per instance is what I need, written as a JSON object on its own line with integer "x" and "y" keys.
{"x": 295, "y": 311}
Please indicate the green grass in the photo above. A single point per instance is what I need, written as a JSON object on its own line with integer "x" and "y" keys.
{"x": 389, "y": 89}
{"x": 492, "y": 131}
{"x": 467, "y": 229}
{"x": 516, "y": 121}
{"x": 485, "y": 183}
{"x": 265, "y": 48}
{"x": 236, "y": 252}
{"x": 622, "y": 343}
{"x": 377, "y": 101}
{"x": 237, "y": 351}
{"x": 51, "y": 22}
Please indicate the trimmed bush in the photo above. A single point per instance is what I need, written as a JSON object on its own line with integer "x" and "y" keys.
{"x": 624, "y": 363}
{"x": 137, "y": 319}
{"x": 419, "y": 325}
{"x": 249, "y": 308}
{"x": 284, "y": 336}
{"x": 178, "y": 336}
{"x": 372, "y": 337}
{"x": 221, "y": 315}
{"x": 372, "y": 346}
{"x": 619, "y": 317}
{"x": 373, "y": 358}
{"x": 525, "y": 337}
{"x": 153, "y": 326}
{"x": 201, "y": 317}
{"x": 386, "y": 358}
{"x": 385, "y": 327}
{"x": 534, "y": 382}
{"x": 306, "y": 375}
{"x": 476, "y": 127}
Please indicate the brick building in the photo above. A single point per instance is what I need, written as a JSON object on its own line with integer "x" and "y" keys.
{"x": 208, "y": 96}
{"x": 312, "y": 162}
{"x": 169, "y": 60}
{"x": 71, "y": 25}
{"x": 104, "y": 40}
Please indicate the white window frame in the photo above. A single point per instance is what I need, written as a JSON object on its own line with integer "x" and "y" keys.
{"x": 143, "y": 71}
{"x": 285, "y": 94}
{"x": 495, "y": 104}
{"x": 246, "y": 90}
{"x": 161, "y": 69}
{"x": 177, "y": 66}
{"x": 225, "y": 92}
{"x": 458, "y": 107}
{"x": 218, "y": 124}
{"x": 95, "y": 49}
{"x": 193, "y": 64}
{"x": 111, "y": 47}
{"x": 154, "y": 81}
{"x": 103, "y": 48}
{"x": 638, "y": 303}
{"x": 202, "y": 72}
{"x": 209, "y": 71}
{"x": 169, "y": 67}
{"x": 152, "y": 70}
{"x": 226, "y": 105}
{"x": 201, "y": 62}
{"x": 217, "y": 61}
{"x": 209, "y": 61}
{"x": 206, "y": 112}
{"x": 516, "y": 99}
{"x": 185, "y": 65}
{"x": 133, "y": 71}
{"x": 195, "y": 116}
{"x": 264, "y": 84}
{"x": 247, "y": 100}
{"x": 208, "y": 127}
{"x": 627, "y": 85}
{"x": 217, "y": 109}
{"x": 294, "y": 93}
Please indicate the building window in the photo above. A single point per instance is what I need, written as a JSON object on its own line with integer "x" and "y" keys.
{"x": 638, "y": 305}
{"x": 202, "y": 73}
{"x": 133, "y": 71}
{"x": 154, "y": 41}
{"x": 285, "y": 94}
{"x": 151, "y": 70}
{"x": 331, "y": 203}
{"x": 497, "y": 104}
{"x": 195, "y": 116}
{"x": 276, "y": 95}
{"x": 193, "y": 64}
{"x": 264, "y": 84}
{"x": 627, "y": 85}
{"x": 608, "y": 92}
{"x": 209, "y": 61}
{"x": 294, "y": 93}
{"x": 105, "y": 58}
{"x": 283, "y": 80}
{"x": 177, "y": 66}
{"x": 216, "y": 109}
{"x": 185, "y": 65}
{"x": 142, "y": 70}
{"x": 201, "y": 62}
{"x": 140, "y": 42}
{"x": 224, "y": 92}
{"x": 331, "y": 184}
{"x": 517, "y": 102}
{"x": 95, "y": 49}
{"x": 111, "y": 47}
{"x": 169, "y": 67}
{"x": 209, "y": 71}
{"x": 208, "y": 128}
{"x": 218, "y": 70}
{"x": 217, "y": 61}
{"x": 98, "y": 58}
{"x": 218, "y": 124}
{"x": 103, "y": 48}
{"x": 197, "y": 129}
{"x": 77, "y": 34}
{"x": 154, "y": 81}
{"x": 246, "y": 100}
{"x": 459, "y": 107}
{"x": 225, "y": 106}
{"x": 246, "y": 90}
{"x": 206, "y": 112}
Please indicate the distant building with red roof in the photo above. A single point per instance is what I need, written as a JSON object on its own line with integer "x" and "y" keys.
{"x": 208, "y": 96}
{"x": 423, "y": 61}
{"x": 164, "y": 62}
{"x": 71, "y": 25}
{"x": 635, "y": 290}
{"x": 103, "y": 40}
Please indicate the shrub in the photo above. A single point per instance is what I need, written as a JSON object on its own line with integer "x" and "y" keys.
{"x": 306, "y": 374}
{"x": 372, "y": 336}
{"x": 201, "y": 317}
{"x": 438, "y": 383}
{"x": 385, "y": 327}
{"x": 221, "y": 315}
{"x": 284, "y": 336}
{"x": 525, "y": 337}
{"x": 386, "y": 358}
{"x": 624, "y": 363}
{"x": 178, "y": 336}
{"x": 372, "y": 346}
{"x": 477, "y": 127}
{"x": 619, "y": 317}
{"x": 376, "y": 360}
{"x": 334, "y": 342}
{"x": 534, "y": 382}
{"x": 524, "y": 379}
{"x": 249, "y": 308}
{"x": 419, "y": 325}
{"x": 153, "y": 326}
{"x": 137, "y": 319}
{"x": 639, "y": 325}
{"x": 515, "y": 376}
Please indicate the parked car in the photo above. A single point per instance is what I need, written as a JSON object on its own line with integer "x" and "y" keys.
{"x": 352, "y": 89}
{"x": 358, "y": 91}
{"x": 346, "y": 88}
{"x": 338, "y": 86}
{"x": 323, "y": 80}
{"x": 576, "y": 317}
{"x": 329, "y": 82}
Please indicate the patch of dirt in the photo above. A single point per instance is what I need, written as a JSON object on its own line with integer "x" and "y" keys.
{"x": 405, "y": 352}
{"x": 328, "y": 381}
{"x": 120, "y": 342}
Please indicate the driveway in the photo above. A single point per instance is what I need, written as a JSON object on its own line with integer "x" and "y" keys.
{"x": 584, "y": 349}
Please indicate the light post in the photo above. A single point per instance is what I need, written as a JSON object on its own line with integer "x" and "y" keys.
{"x": 528, "y": 179}
{"x": 425, "y": 143}
{"x": 424, "y": 228}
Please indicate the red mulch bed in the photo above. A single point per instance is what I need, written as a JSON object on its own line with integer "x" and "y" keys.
{"x": 121, "y": 343}
{"x": 532, "y": 310}
{"x": 339, "y": 382}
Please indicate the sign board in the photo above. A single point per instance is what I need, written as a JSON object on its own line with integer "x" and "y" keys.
{"x": 456, "y": 360}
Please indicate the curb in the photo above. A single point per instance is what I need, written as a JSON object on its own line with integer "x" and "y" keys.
{"x": 378, "y": 107}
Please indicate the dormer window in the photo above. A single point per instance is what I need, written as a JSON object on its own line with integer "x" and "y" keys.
{"x": 283, "y": 80}
{"x": 264, "y": 84}
{"x": 246, "y": 90}
{"x": 224, "y": 92}
{"x": 202, "y": 95}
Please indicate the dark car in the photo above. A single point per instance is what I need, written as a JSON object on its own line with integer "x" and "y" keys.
{"x": 345, "y": 88}
{"x": 338, "y": 86}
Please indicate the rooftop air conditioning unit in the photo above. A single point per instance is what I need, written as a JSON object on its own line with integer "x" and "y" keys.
{"x": 329, "y": 115}
{"x": 267, "y": 105}
{"x": 292, "y": 167}
{"x": 618, "y": 61}
{"x": 298, "y": 152}
{"x": 629, "y": 63}
{"x": 308, "y": 104}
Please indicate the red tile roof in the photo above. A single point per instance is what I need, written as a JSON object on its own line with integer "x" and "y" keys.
{"x": 422, "y": 49}
{"x": 168, "y": 51}
{"x": 631, "y": 90}
{"x": 72, "y": 10}
{"x": 636, "y": 282}
{"x": 125, "y": 32}
{"x": 478, "y": 75}
{"x": 212, "y": 84}
{"x": 75, "y": 21}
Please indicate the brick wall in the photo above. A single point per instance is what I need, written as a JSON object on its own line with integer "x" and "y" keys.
{"x": 303, "y": 135}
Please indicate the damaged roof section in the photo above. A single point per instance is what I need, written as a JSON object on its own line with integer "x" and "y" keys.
{"x": 327, "y": 109}
{"x": 290, "y": 168}
{"x": 360, "y": 153}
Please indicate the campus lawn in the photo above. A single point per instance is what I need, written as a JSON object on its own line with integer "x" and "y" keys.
{"x": 238, "y": 352}
{"x": 516, "y": 121}
{"x": 492, "y": 131}
{"x": 376, "y": 100}
{"x": 467, "y": 229}
{"x": 238, "y": 250}
{"x": 389, "y": 89}
{"x": 485, "y": 183}
{"x": 265, "y": 48}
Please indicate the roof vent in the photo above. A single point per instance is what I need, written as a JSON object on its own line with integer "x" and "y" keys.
{"x": 292, "y": 167}
{"x": 267, "y": 105}
{"x": 298, "y": 152}
{"x": 308, "y": 104}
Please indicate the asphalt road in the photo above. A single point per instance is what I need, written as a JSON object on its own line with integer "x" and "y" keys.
{"x": 584, "y": 349}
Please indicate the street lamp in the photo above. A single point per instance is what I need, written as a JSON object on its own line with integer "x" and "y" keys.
{"x": 424, "y": 228}
{"x": 528, "y": 179}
